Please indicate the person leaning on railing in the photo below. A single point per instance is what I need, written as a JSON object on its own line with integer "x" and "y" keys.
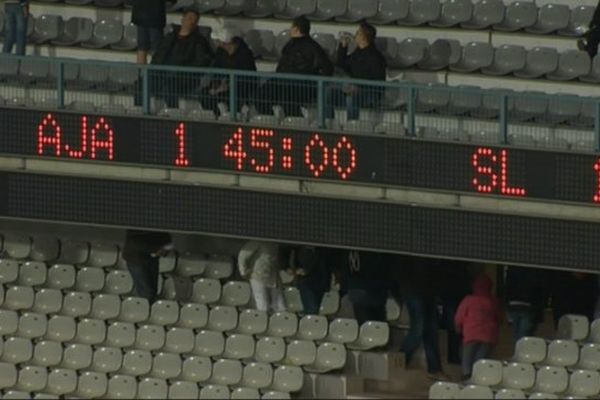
{"x": 232, "y": 53}
{"x": 185, "y": 46}
{"x": 301, "y": 55}
{"x": 589, "y": 43}
{"x": 366, "y": 62}
{"x": 16, "y": 14}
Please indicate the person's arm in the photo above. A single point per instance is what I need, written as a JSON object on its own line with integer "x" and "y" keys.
{"x": 379, "y": 68}
{"x": 322, "y": 62}
{"x": 204, "y": 55}
{"x": 343, "y": 58}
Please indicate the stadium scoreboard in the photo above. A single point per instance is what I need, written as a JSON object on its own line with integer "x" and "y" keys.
{"x": 279, "y": 151}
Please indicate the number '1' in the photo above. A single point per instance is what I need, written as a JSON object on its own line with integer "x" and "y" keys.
{"x": 181, "y": 160}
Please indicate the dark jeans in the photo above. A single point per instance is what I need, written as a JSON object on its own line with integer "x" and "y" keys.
{"x": 423, "y": 329}
{"x": 145, "y": 278}
{"x": 311, "y": 298}
{"x": 16, "y": 28}
{"x": 523, "y": 322}
{"x": 290, "y": 94}
{"x": 362, "y": 98}
{"x": 454, "y": 338}
{"x": 473, "y": 352}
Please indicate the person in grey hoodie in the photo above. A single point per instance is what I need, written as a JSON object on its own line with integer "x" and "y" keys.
{"x": 260, "y": 262}
{"x": 16, "y": 13}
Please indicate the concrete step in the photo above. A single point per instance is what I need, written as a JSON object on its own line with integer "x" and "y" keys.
{"x": 378, "y": 395}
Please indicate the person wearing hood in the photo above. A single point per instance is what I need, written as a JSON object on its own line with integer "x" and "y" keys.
{"x": 150, "y": 18}
{"x": 478, "y": 319}
{"x": 260, "y": 263}
{"x": 232, "y": 53}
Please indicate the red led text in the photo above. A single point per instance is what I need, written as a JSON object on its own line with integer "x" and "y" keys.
{"x": 492, "y": 173}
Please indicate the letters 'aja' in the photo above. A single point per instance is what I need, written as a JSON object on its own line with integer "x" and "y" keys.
{"x": 373, "y": 159}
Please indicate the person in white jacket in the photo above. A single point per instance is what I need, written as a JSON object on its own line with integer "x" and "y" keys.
{"x": 260, "y": 263}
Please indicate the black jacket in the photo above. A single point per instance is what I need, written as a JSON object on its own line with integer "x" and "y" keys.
{"x": 191, "y": 51}
{"x": 304, "y": 56}
{"x": 242, "y": 59}
{"x": 526, "y": 285}
{"x": 139, "y": 245}
{"x": 149, "y": 13}
{"x": 595, "y": 22}
{"x": 367, "y": 63}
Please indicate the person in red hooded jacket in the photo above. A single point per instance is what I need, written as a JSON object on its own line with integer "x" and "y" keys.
{"x": 478, "y": 319}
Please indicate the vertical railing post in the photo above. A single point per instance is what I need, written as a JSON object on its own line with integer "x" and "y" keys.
{"x": 503, "y": 119}
{"x": 233, "y": 96}
{"x": 597, "y": 126}
{"x": 60, "y": 84}
{"x": 411, "y": 111}
{"x": 321, "y": 103}
{"x": 145, "y": 90}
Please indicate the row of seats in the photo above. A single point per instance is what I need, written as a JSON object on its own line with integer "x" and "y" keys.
{"x": 55, "y": 382}
{"x": 482, "y": 14}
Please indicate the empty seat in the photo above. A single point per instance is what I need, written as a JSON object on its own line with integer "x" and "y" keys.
{"x": 179, "y": 340}
{"x": 150, "y": 338}
{"x": 16, "y": 394}
{"x": 32, "y": 379}
{"x": 584, "y": 384}
{"x": 518, "y": 376}
{"x": 32, "y": 325}
{"x": 193, "y": 316}
{"x": 262, "y": 8}
{"x": 296, "y": 8}
{"x": 454, "y": 12}
{"x": 191, "y": 265}
{"x": 74, "y": 31}
{"x": 196, "y": 369}
{"x": 120, "y": 334}
{"x": 17, "y": 246}
{"x": 47, "y": 353}
{"x": 330, "y": 303}
{"x": 9, "y": 271}
{"x": 444, "y": 390}
{"x": 474, "y": 56}
{"x": 475, "y": 392}
{"x": 236, "y": 294}
{"x": 129, "y": 40}
{"x": 61, "y": 381}
{"x": 34, "y": 72}
{"x": 485, "y": 14}
{"x": 529, "y": 105}
{"x": 77, "y": 356}
{"x": 47, "y": 301}
{"x": 388, "y": 46}
{"x": 61, "y": 276}
{"x": 233, "y": 7}
{"x": 551, "y": 18}
{"x": 222, "y": 319}
{"x": 410, "y": 52}
{"x": 261, "y": 42}
{"x": 530, "y": 350}
{"x": 252, "y": 322}
{"x": 105, "y": 33}
{"x": 166, "y": 366}
{"x": 91, "y": 385}
{"x": 18, "y": 298}
{"x": 510, "y": 394}
{"x": 206, "y": 291}
{"x": 573, "y": 327}
{"x": 343, "y": 330}
{"x": 330, "y": 356}
{"x": 328, "y": 9}
{"x": 389, "y": 11}
{"x": 134, "y": 310}
{"x": 300, "y": 353}
{"x": 270, "y": 350}
{"x": 551, "y": 380}
{"x": 287, "y": 379}
{"x": 595, "y": 331}
{"x": 226, "y": 372}
{"x": 61, "y": 328}
{"x": 90, "y": 331}
{"x": 76, "y": 304}
{"x": 245, "y": 394}
{"x": 589, "y": 357}
{"x": 239, "y": 347}
{"x": 121, "y": 387}
{"x": 421, "y": 12}
{"x": 103, "y": 254}
{"x": 507, "y": 59}
{"x": 562, "y": 353}
{"x": 518, "y": 15}
{"x": 293, "y": 300}
{"x": 312, "y": 327}
{"x": 209, "y": 344}
{"x": 538, "y": 62}
{"x": 579, "y": 21}
{"x": 17, "y": 350}
{"x": 594, "y": 74}
{"x": 105, "y": 306}
{"x": 32, "y": 273}
{"x": 8, "y": 375}
{"x": 371, "y": 335}
{"x": 357, "y": 10}
{"x": 164, "y": 312}
{"x": 107, "y": 359}
{"x": 214, "y": 392}
{"x": 136, "y": 363}
{"x": 436, "y": 56}
{"x": 487, "y": 373}
{"x": 257, "y": 375}
{"x": 571, "y": 64}
{"x": 219, "y": 267}
{"x": 89, "y": 279}
{"x": 283, "y": 324}
{"x": 118, "y": 282}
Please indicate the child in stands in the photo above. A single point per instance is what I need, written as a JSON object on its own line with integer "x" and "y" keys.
{"x": 478, "y": 319}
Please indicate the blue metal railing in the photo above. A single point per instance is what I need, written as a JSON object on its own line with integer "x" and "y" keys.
{"x": 419, "y": 109}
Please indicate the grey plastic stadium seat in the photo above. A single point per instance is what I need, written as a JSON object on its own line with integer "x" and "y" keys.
{"x": 61, "y": 328}
{"x": 89, "y": 279}
{"x": 454, "y": 12}
{"x": 106, "y": 32}
{"x": 551, "y": 380}
{"x": 296, "y": 8}
{"x": 444, "y": 390}
{"x": 164, "y": 312}
{"x": 572, "y": 326}
{"x": 252, "y": 322}
{"x": 76, "y": 304}
{"x": 206, "y": 291}
{"x": 328, "y": 9}
{"x": 421, "y": 12}
{"x": 257, "y": 375}
{"x": 518, "y": 15}
{"x": 579, "y": 21}
{"x": 17, "y": 246}
{"x": 518, "y": 376}
{"x": 226, "y": 372}
{"x": 562, "y": 353}
{"x": 507, "y": 59}
{"x": 44, "y": 248}
{"x": 476, "y": 392}
{"x": 129, "y": 40}
{"x": 166, "y": 366}
{"x": 222, "y": 319}
{"x": 152, "y": 388}
{"x": 462, "y": 102}
{"x": 436, "y": 56}
{"x": 475, "y": 55}
{"x": 283, "y": 324}
{"x": 539, "y": 62}
{"x": 61, "y": 381}
{"x": 183, "y": 390}
{"x": 9, "y": 270}
{"x": 529, "y": 105}
{"x": 79, "y": 2}
{"x": 330, "y": 303}
{"x": 509, "y": 394}
{"x": 101, "y": 254}
{"x": 595, "y": 329}
{"x": 118, "y": 283}
{"x": 287, "y": 379}
{"x": 585, "y": 384}
{"x": 270, "y": 350}
{"x": 17, "y": 350}
{"x": 209, "y": 344}
{"x": 32, "y": 325}
{"x": 594, "y": 75}
{"x": 551, "y": 18}
{"x": 108, "y": 3}
{"x": 330, "y": 356}
{"x": 239, "y": 347}
{"x": 571, "y": 64}
{"x": 120, "y": 334}
{"x": 389, "y": 11}
{"x": 136, "y": 363}
{"x": 149, "y": 338}
{"x": 32, "y": 273}
{"x": 32, "y": 379}
{"x": 388, "y": 46}
{"x": 46, "y": 28}
{"x": 193, "y": 316}
{"x": 262, "y": 9}
{"x": 244, "y": 393}
{"x": 327, "y": 41}
{"x": 312, "y": 327}
{"x": 121, "y": 387}
{"x": 234, "y": 7}
{"x": 74, "y": 31}
{"x": 196, "y": 369}
{"x": 47, "y": 301}
{"x": 358, "y": 10}
{"x": 300, "y": 353}
{"x": 179, "y": 340}
{"x": 107, "y": 359}
{"x": 47, "y": 353}
{"x": 77, "y": 356}
{"x": 134, "y": 310}
{"x": 485, "y": 14}
{"x": 34, "y": 71}
{"x": 371, "y": 335}
{"x": 204, "y": 6}
{"x": 410, "y": 52}
{"x": 74, "y": 251}
{"x": 261, "y": 42}
{"x": 16, "y": 394}
{"x": 214, "y": 392}
{"x": 589, "y": 357}
{"x": 487, "y": 373}
{"x": 18, "y": 298}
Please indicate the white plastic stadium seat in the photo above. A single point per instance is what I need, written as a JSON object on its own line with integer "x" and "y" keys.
{"x": 91, "y": 385}
{"x": 226, "y": 372}
{"x": 257, "y": 375}
{"x": 343, "y": 330}
{"x": 287, "y": 379}
{"x": 562, "y": 353}
{"x": 589, "y": 357}
{"x": 118, "y": 283}
{"x": 270, "y": 350}
{"x": 293, "y": 300}
{"x": 371, "y": 335}
{"x": 9, "y": 271}
{"x": 312, "y": 327}
{"x": 76, "y": 304}
{"x": 219, "y": 267}
{"x": 32, "y": 273}
{"x": 222, "y": 319}
{"x": 573, "y": 327}
{"x": 283, "y": 324}
{"x": 61, "y": 381}
{"x": 89, "y": 279}
{"x": 44, "y": 249}
{"x": 121, "y": 387}
{"x": 206, "y": 291}
{"x": 77, "y": 356}
{"x": 120, "y": 334}
{"x": 510, "y": 394}
{"x": 150, "y": 338}
{"x": 193, "y": 316}
{"x": 105, "y": 306}
{"x": 32, "y": 379}
{"x": 32, "y": 325}
{"x": 107, "y": 359}
{"x": 330, "y": 356}
{"x": 476, "y": 392}
{"x": 444, "y": 390}
{"x": 134, "y": 310}
{"x": 518, "y": 376}
{"x": 236, "y": 294}
{"x": 300, "y": 353}
{"x": 214, "y": 392}
{"x": 183, "y": 390}
{"x": 8, "y": 375}
{"x": 538, "y": 62}
{"x": 136, "y": 363}
{"x": 90, "y": 331}
{"x": 17, "y": 246}
{"x": 196, "y": 369}
{"x": 244, "y": 393}
{"x": 239, "y": 347}
{"x": 530, "y": 350}
{"x": 103, "y": 255}
{"x": 164, "y": 312}
{"x": 209, "y": 344}
{"x": 47, "y": 301}
{"x": 551, "y": 380}
{"x": 191, "y": 265}
{"x": 152, "y": 388}
{"x": 61, "y": 276}
{"x": 252, "y": 322}
{"x": 584, "y": 384}
{"x": 166, "y": 366}
{"x": 518, "y": 15}
{"x": 18, "y": 298}
{"x": 47, "y": 353}
{"x": 487, "y": 373}
{"x": 179, "y": 340}
{"x": 17, "y": 350}
{"x": 61, "y": 328}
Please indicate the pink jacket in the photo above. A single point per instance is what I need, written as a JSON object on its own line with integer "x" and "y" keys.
{"x": 478, "y": 315}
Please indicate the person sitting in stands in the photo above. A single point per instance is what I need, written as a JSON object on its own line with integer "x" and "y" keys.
{"x": 366, "y": 62}
{"x": 302, "y": 55}
{"x": 232, "y": 53}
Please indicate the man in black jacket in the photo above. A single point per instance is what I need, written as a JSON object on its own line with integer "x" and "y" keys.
{"x": 150, "y": 17}
{"x": 141, "y": 252}
{"x": 302, "y": 55}
{"x": 232, "y": 53}
{"x": 591, "y": 38}
{"x": 366, "y": 62}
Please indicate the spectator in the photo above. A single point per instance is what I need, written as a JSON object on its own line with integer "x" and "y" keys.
{"x": 16, "y": 14}
{"x": 310, "y": 268}
{"x": 573, "y": 293}
{"x": 301, "y": 55}
{"x": 420, "y": 291}
{"x": 366, "y": 62}
{"x": 185, "y": 46}
{"x": 525, "y": 299}
{"x": 478, "y": 319}
{"x": 260, "y": 263}
{"x": 232, "y": 53}
{"x": 141, "y": 252}
{"x": 150, "y": 17}
{"x": 589, "y": 43}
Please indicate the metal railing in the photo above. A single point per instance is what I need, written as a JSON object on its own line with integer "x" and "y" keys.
{"x": 430, "y": 111}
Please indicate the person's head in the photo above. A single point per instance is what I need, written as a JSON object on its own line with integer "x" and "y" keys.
{"x": 482, "y": 285}
{"x": 225, "y": 38}
{"x": 300, "y": 27}
{"x": 365, "y": 36}
{"x": 189, "y": 20}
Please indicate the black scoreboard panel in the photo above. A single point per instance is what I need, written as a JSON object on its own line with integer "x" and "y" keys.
{"x": 373, "y": 159}
{"x": 301, "y": 218}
